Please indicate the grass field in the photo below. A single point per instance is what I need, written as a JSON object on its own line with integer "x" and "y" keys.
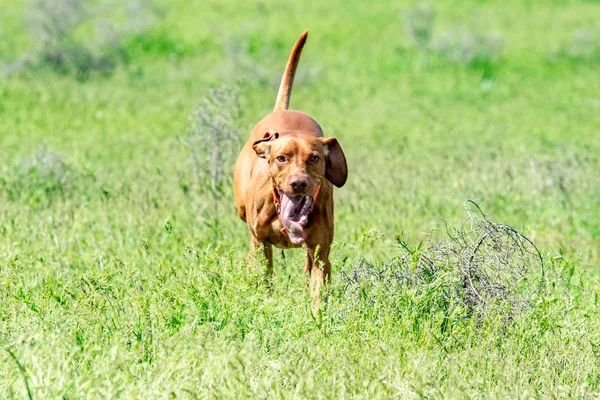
{"x": 123, "y": 275}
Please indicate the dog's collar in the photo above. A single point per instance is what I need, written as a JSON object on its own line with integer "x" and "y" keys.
{"x": 277, "y": 200}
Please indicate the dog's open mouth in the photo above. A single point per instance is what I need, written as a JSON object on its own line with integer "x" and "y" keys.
{"x": 294, "y": 215}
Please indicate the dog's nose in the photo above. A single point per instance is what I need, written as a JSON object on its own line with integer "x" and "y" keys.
{"x": 298, "y": 183}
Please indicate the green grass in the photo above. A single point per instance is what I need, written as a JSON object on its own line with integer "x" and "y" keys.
{"x": 117, "y": 279}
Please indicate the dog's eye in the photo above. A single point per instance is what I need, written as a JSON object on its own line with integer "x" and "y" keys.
{"x": 281, "y": 158}
{"x": 314, "y": 159}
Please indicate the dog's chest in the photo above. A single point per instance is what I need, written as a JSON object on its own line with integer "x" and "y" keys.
{"x": 266, "y": 225}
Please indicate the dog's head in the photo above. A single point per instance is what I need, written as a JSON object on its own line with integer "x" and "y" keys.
{"x": 298, "y": 164}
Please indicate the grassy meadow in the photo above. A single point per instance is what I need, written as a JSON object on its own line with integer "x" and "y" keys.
{"x": 123, "y": 268}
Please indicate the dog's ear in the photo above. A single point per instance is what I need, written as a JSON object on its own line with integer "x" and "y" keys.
{"x": 263, "y": 147}
{"x": 337, "y": 170}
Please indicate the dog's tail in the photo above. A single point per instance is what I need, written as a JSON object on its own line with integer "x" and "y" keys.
{"x": 287, "y": 81}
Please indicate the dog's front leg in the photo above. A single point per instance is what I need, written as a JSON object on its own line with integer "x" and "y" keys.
{"x": 266, "y": 248}
{"x": 319, "y": 269}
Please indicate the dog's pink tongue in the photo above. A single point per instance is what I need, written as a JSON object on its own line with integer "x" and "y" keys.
{"x": 294, "y": 229}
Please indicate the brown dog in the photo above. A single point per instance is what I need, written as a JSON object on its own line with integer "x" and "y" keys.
{"x": 283, "y": 181}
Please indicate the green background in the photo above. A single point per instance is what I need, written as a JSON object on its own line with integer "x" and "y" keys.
{"x": 120, "y": 277}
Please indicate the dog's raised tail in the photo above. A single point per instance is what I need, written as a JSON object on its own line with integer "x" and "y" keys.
{"x": 287, "y": 81}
